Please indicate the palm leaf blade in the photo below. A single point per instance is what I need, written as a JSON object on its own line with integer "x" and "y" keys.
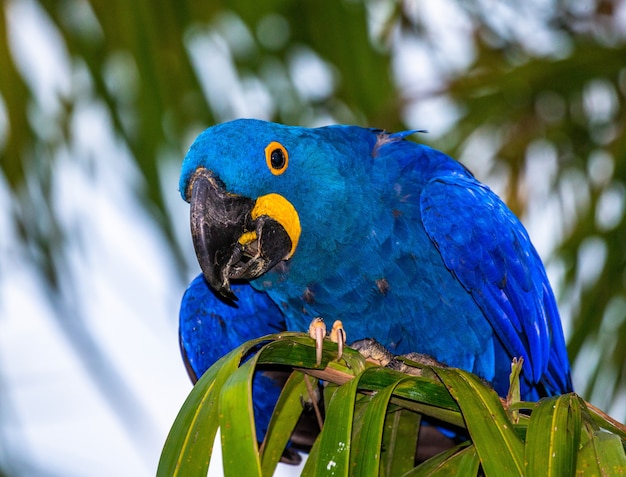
{"x": 239, "y": 444}
{"x": 553, "y": 436}
{"x": 500, "y": 450}
{"x": 365, "y": 453}
{"x": 188, "y": 447}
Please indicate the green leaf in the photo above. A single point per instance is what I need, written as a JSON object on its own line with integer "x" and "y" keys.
{"x": 371, "y": 426}
{"x": 366, "y": 447}
{"x": 240, "y": 451}
{"x": 429, "y": 402}
{"x": 553, "y": 436}
{"x": 333, "y": 444}
{"x": 611, "y": 455}
{"x": 284, "y": 419}
{"x": 297, "y": 350}
{"x": 500, "y": 450}
{"x": 602, "y": 455}
{"x": 189, "y": 444}
{"x": 459, "y": 461}
{"x": 417, "y": 393}
{"x": 399, "y": 442}
{"x": 606, "y": 422}
{"x": 514, "y": 394}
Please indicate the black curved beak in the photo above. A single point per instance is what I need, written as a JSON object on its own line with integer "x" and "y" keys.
{"x": 229, "y": 242}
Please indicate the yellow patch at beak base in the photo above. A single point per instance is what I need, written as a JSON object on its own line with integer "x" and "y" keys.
{"x": 283, "y": 212}
{"x": 247, "y": 237}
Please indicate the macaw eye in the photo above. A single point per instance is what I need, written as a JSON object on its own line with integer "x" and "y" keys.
{"x": 276, "y": 158}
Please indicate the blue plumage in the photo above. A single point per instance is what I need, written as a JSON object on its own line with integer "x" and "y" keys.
{"x": 211, "y": 328}
{"x": 397, "y": 240}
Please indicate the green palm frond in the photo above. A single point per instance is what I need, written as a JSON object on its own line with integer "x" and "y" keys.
{"x": 373, "y": 417}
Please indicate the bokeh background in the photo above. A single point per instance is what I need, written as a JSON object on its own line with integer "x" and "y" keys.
{"x": 99, "y": 101}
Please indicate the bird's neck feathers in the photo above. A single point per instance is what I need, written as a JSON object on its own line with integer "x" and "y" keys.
{"x": 351, "y": 211}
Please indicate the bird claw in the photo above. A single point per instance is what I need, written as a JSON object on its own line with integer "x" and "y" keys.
{"x": 317, "y": 331}
{"x": 376, "y": 353}
{"x": 417, "y": 364}
{"x": 373, "y": 351}
{"x": 338, "y": 335}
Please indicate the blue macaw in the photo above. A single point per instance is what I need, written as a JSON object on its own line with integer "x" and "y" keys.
{"x": 395, "y": 239}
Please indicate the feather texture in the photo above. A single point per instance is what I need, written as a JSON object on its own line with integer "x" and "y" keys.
{"x": 399, "y": 242}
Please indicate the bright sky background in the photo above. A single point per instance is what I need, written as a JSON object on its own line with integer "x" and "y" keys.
{"x": 53, "y": 416}
{"x": 55, "y": 421}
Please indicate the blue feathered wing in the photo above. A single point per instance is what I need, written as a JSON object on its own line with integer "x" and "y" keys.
{"x": 485, "y": 246}
{"x": 210, "y": 327}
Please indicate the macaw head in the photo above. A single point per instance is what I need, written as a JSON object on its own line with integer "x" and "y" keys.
{"x": 259, "y": 192}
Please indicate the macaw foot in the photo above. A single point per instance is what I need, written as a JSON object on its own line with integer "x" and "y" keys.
{"x": 317, "y": 331}
{"x": 376, "y": 353}
{"x": 338, "y": 335}
{"x": 373, "y": 351}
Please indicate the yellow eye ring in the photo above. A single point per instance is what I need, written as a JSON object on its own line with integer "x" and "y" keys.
{"x": 276, "y": 158}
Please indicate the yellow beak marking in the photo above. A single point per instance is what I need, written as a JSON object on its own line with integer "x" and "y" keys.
{"x": 283, "y": 212}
